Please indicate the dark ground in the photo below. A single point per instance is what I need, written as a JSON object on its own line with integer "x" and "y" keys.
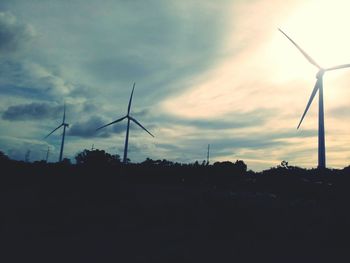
{"x": 70, "y": 214}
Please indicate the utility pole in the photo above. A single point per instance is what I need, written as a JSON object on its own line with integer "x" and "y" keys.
{"x": 26, "y": 157}
{"x": 47, "y": 153}
{"x": 208, "y": 154}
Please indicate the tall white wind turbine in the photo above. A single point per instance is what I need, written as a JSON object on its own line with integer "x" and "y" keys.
{"x": 127, "y": 116}
{"x": 65, "y": 125}
{"x": 318, "y": 87}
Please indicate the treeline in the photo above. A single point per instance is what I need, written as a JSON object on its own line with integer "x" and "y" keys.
{"x": 101, "y": 160}
{"x": 225, "y": 175}
{"x": 197, "y": 212}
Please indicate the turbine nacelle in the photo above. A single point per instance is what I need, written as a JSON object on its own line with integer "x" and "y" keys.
{"x": 320, "y": 73}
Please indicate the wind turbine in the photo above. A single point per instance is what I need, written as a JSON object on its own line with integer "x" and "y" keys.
{"x": 318, "y": 87}
{"x": 65, "y": 125}
{"x": 127, "y": 116}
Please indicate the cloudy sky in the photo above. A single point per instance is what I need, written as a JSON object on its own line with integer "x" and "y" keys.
{"x": 206, "y": 72}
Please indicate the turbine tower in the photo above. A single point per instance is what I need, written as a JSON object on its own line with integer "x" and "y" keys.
{"x": 65, "y": 125}
{"x": 127, "y": 116}
{"x": 318, "y": 87}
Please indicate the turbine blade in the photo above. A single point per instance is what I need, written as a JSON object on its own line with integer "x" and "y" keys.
{"x": 64, "y": 112}
{"x": 313, "y": 93}
{"x": 132, "y": 92}
{"x": 310, "y": 59}
{"x": 53, "y": 131}
{"x": 139, "y": 124}
{"x": 338, "y": 67}
{"x": 112, "y": 123}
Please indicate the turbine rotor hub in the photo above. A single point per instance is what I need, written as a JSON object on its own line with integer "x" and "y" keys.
{"x": 320, "y": 73}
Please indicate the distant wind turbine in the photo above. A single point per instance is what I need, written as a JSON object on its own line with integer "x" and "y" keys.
{"x": 65, "y": 125}
{"x": 318, "y": 86}
{"x": 127, "y": 116}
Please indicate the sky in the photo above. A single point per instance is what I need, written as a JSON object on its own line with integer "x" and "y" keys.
{"x": 206, "y": 72}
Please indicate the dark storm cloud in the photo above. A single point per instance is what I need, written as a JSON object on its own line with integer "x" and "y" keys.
{"x": 32, "y": 111}
{"x": 13, "y": 33}
{"x": 87, "y": 129}
{"x": 23, "y": 92}
{"x": 45, "y": 110}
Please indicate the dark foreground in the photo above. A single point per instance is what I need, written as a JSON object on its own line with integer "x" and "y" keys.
{"x": 127, "y": 214}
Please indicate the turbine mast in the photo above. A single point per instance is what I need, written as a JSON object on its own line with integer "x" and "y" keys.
{"x": 321, "y": 135}
{"x": 62, "y": 143}
{"x": 126, "y": 142}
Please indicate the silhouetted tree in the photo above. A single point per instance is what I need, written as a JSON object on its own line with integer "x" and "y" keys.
{"x": 66, "y": 161}
{"x": 3, "y": 157}
{"x": 346, "y": 169}
{"x": 148, "y": 162}
{"x": 240, "y": 166}
{"x": 96, "y": 157}
{"x": 196, "y": 164}
{"x": 228, "y": 168}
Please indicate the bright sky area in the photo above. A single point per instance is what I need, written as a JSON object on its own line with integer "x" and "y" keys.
{"x": 206, "y": 72}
